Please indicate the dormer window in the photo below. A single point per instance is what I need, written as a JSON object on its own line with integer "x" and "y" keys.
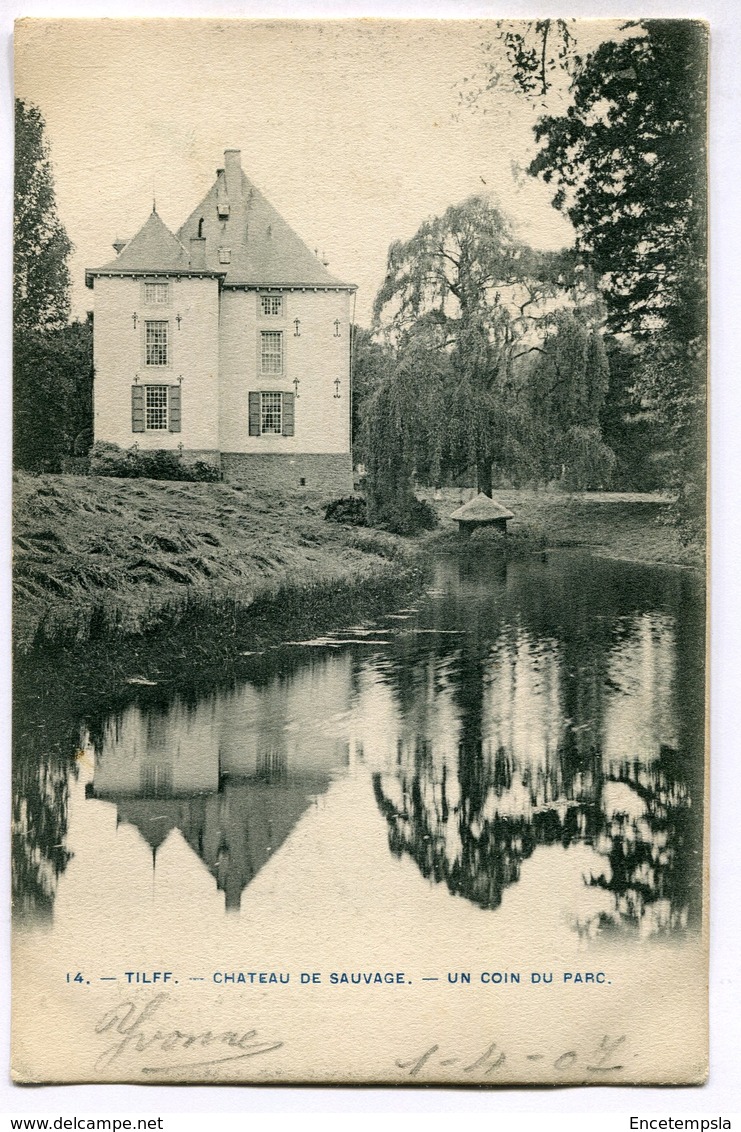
{"x": 156, "y": 293}
{"x": 271, "y": 305}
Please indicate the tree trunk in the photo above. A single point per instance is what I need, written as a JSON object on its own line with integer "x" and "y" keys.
{"x": 483, "y": 474}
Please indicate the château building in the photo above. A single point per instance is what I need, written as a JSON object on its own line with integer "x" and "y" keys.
{"x": 228, "y": 341}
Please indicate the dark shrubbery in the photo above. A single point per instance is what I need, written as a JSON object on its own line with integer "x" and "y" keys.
{"x": 350, "y": 509}
{"x": 420, "y": 516}
{"x": 415, "y": 515}
{"x": 408, "y": 517}
{"x": 110, "y": 460}
{"x": 520, "y": 542}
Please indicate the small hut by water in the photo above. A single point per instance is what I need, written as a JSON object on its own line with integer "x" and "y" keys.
{"x": 481, "y": 511}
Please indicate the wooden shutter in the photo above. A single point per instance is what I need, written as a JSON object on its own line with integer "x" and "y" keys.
{"x": 137, "y": 408}
{"x": 289, "y": 413}
{"x": 254, "y": 414}
{"x": 175, "y": 414}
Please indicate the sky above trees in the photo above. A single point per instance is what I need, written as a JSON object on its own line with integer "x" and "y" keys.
{"x": 356, "y": 133}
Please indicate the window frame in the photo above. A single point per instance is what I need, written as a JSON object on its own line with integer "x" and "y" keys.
{"x": 156, "y": 386}
{"x": 262, "y": 314}
{"x": 262, "y": 353}
{"x": 167, "y": 363}
{"x": 152, "y": 304}
{"x": 277, "y": 396}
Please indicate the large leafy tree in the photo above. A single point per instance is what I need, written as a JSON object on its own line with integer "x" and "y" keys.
{"x": 401, "y": 431}
{"x": 52, "y": 359}
{"x": 469, "y": 308}
{"x": 627, "y": 159}
{"x": 629, "y": 162}
{"x": 41, "y": 246}
{"x": 52, "y": 395}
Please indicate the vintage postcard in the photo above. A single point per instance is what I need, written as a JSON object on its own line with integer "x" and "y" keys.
{"x": 359, "y": 615}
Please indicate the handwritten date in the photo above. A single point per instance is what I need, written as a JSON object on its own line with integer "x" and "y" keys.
{"x": 599, "y": 1059}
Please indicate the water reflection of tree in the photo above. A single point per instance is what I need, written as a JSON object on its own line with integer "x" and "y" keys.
{"x": 470, "y": 814}
{"x": 44, "y": 758}
{"x": 646, "y": 855}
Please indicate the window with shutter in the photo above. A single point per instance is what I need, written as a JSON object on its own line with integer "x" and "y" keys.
{"x": 156, "y": 408}
{"x": 289, "y": 413}
{"x": 254, "y": 405}
{"x": 272, "y": 414}
{"x": 137, "y": 408}
{"x": 175, "y": 421}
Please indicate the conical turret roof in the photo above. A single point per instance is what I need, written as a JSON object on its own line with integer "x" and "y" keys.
{"x": 481, "y": 509}
{"x": 153, "y": 250}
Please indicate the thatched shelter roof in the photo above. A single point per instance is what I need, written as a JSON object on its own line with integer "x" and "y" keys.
{"x": 481, "y": 509}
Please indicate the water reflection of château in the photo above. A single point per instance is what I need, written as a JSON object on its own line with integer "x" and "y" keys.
{"x": 528, "y": 704}
{"x": 233, "y": 781}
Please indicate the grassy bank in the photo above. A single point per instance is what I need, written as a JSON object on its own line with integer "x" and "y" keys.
{"x": 634, "y": 526}
{"x": 212, "y": 569}
{"x": 126, "y": 589}
{"x": 102, "y": 560}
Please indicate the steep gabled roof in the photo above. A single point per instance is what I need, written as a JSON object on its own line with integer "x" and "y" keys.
{"x": 262, "y": 248}
{"x": 154, "y": 248}
{"x": 238, "y": 236}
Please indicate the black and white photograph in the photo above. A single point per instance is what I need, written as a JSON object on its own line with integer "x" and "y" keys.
{"x": 360, "y": 535}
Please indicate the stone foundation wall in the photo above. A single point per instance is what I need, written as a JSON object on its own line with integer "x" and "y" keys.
{"x": 329, "y": 473}
{"x": 208, "y": 455}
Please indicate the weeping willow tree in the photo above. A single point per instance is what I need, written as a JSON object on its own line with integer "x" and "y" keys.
{"x": 566, "y": 389}
{"x": 475, "y": 318}
{"x": 400, "y": 429}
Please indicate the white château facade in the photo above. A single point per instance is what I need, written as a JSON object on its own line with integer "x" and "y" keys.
{"x": 229, "y": 342}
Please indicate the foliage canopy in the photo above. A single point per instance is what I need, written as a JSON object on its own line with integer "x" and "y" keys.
{"x": 41, "y": 246}
{"x": 627, "y": 159}
{"x": 483, "y": 326}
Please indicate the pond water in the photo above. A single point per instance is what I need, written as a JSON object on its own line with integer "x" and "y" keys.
{"x": 526, "y": 738}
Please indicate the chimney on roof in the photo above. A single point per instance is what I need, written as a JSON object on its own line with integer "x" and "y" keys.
{"x": 198, "y": 253}
{"x": 222, "y": 197}
{"x": 233, "y": 168}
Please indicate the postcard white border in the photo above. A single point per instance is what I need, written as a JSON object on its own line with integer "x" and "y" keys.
{"x": 722, "y": 1094}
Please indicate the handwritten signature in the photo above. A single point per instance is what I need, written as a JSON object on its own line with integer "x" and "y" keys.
{"x": 131, "y": 1026}
{"x": 594, "y": 1062}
